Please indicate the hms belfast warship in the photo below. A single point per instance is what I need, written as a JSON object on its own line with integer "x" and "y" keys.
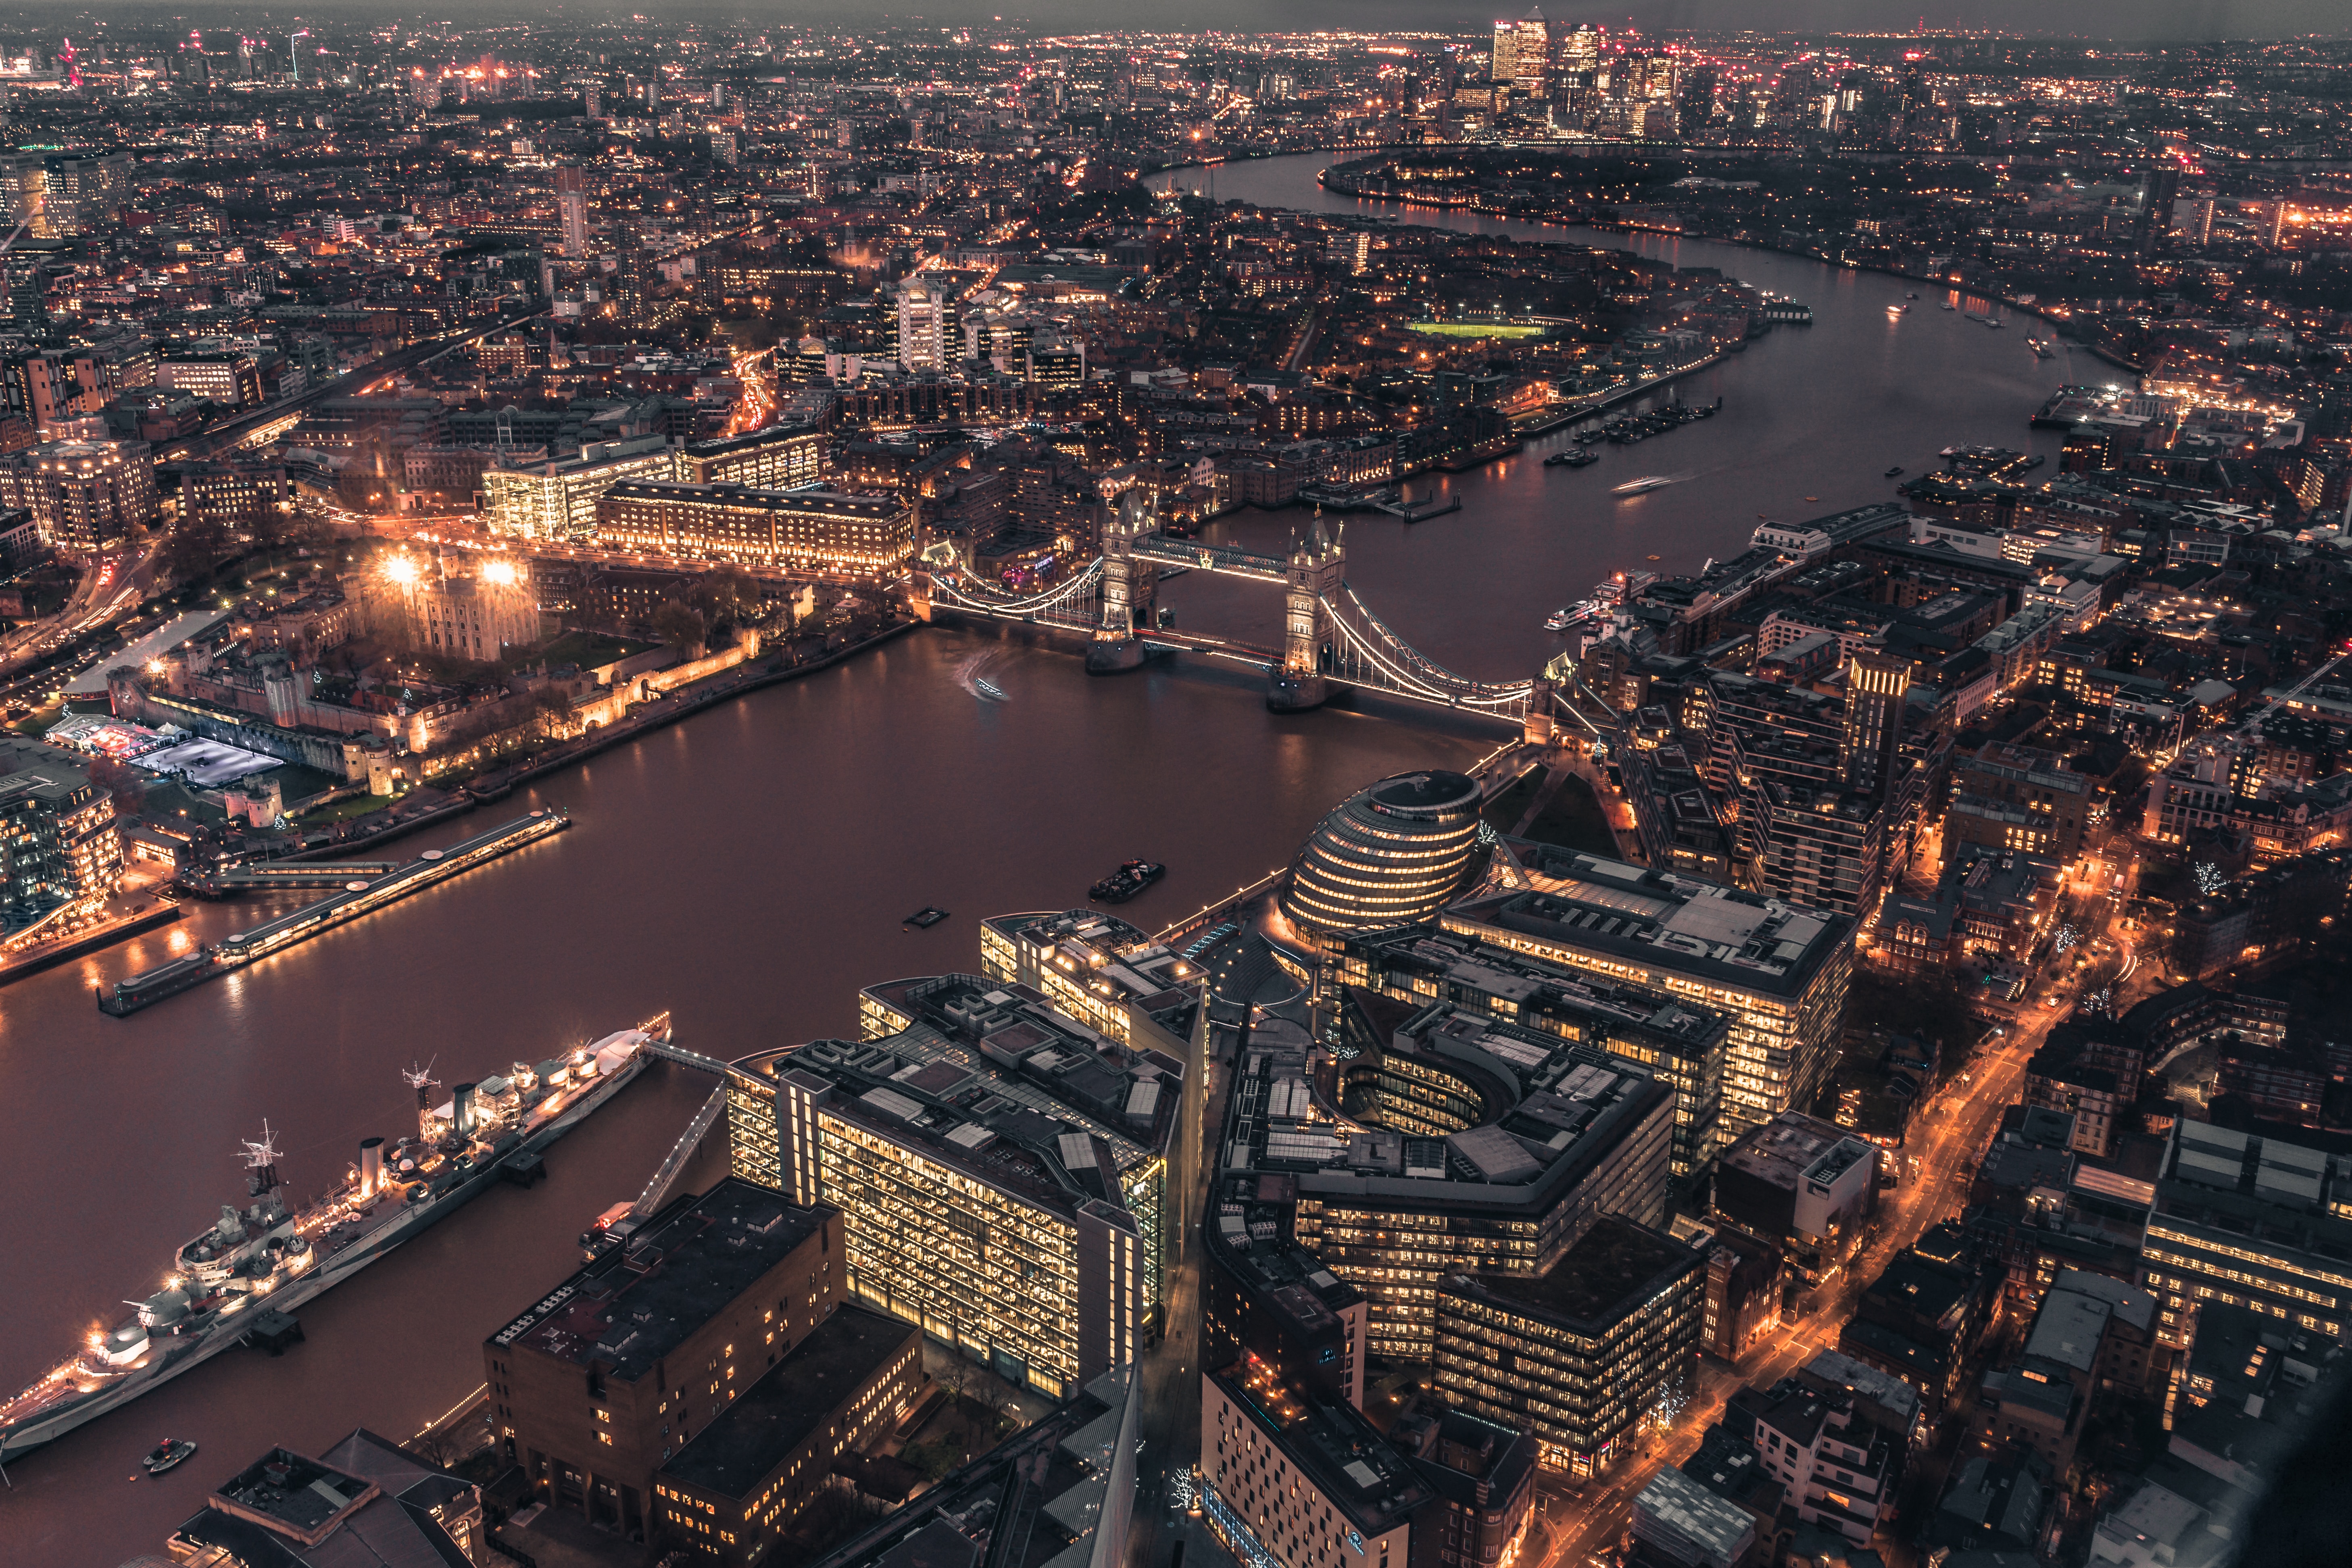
{"x": 268, "y": 1256}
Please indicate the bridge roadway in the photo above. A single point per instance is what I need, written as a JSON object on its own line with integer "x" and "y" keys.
{"x": 1363, "y": 651}
{"x": 1223, "y": 559}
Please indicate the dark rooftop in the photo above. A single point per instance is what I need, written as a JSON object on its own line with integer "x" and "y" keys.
{"x": 1616, "y": 1266}
{"x": 770, "y": 1419}
{"x": 633, "y": 1306}
{"x": 1344, "y": 1454}
{"x": 1687, "y": 925}
{"x": 1435, "y": 791}
{"x": 288, "y": 1491}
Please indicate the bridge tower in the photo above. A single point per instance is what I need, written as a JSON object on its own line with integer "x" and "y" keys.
{"x": 1539, "y": 729}
{"x": 1312, "y": 574}
{"x": 1130, "y": 588}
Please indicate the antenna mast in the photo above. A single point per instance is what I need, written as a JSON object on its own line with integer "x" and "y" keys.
{"x": 260, "y": 1162}
{"x": 422, "y": 1080}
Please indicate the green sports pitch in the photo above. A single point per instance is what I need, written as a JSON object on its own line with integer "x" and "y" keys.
{"x": 1474, "y": 330}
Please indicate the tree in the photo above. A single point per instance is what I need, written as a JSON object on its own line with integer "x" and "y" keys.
{"x": 551, "y": 706}
{"x": 126, "y": 783}
{"x": 196, "y": 550}
{"x": 726, "y": 596}
{"x": 681, "y": 627}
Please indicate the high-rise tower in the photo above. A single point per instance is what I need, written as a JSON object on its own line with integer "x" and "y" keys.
{"x": 571, "y": 208}
{"x": 1877, "y": 686}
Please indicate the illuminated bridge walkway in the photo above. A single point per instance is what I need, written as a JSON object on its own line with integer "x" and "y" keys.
{"x": 1330, "y": 637}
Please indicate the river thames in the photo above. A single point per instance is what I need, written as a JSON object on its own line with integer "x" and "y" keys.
{"x": 747, "y": 870}
{"x": 1812, "y": 417}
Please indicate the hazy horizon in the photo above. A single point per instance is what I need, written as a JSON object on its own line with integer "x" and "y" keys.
{"x": 2138, "y": 21}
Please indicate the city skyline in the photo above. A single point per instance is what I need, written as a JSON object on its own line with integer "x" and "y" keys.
{"x": 1505, "y": 792}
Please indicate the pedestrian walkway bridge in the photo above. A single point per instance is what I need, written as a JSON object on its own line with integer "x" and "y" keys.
{"x": 1329, "y": 637}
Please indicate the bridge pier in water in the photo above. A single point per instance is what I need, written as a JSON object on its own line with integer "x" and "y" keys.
{"x": 1312, "y": 573}
{"x": 1330, "y": 639}
{"x": 1131, "y": 590}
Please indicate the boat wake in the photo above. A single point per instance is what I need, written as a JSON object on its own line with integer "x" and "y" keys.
{"x": 1649, "y": 482}
{"x": 972, "y": 676}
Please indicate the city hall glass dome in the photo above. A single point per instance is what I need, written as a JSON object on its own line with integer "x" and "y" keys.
{"x": 1388, "y": 854}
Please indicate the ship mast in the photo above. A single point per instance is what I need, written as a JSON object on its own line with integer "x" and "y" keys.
{"x": 422, "y": 1080}
{"x": 260, "y": 1162}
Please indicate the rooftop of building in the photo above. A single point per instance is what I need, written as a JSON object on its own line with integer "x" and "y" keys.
{"x": 1992, "y": 1500}
{"x": 2033, "y": 1382}
{"x": 1150, "y": 974}
{"x": 1923, "y": 1289}
{"x": 1489, "y": 969}
{"x": 293, "y": 1493}
{"x": 1739, "y": 940}
{"x": 769, "y": 1422}
{"x": 1551, "y": 1109}
{"x": 729, "y": 493}
{"x": 1718, "y": 1526}
{"x": 992, "y": 1079}
{"x": 31, "y": 768}
{"x": 1474, "y": 1464}
{"x": 751, "y": 440}
{"x": 2125, "y": 1304}
{"x": 1797, "y": 1413}
{"x": 1067, "y": 1458}
{"x": 2007, "y": 759}
{"x": 1611, "y": 1272}
{"x": 1727, "y": 1465}
{"x": 1342, "y": 1454}
{"x": 1864, "y": 1383}
{"x": 1792, "y": 1149}
{"x": 638, "y": 1303}
{"x": 1249, "y": 1233}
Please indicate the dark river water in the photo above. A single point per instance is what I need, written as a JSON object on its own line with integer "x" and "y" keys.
{"x": 749, "y": 868}
{"x": 1817, "y": 412}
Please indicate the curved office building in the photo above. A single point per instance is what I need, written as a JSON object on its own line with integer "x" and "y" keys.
{"x": 1389, "y": 855}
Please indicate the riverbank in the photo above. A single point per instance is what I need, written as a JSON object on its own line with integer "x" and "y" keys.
{"x": 501, "y": 783}
{"x": 88, "y": 942}
{"x": 1609, "y": 225}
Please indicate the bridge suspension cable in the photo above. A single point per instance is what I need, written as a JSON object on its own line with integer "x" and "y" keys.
{"x": 1378, "y": 642}
{"x": 1051, "y": 599}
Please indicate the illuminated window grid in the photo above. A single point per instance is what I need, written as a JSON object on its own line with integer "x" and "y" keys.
{"x": 1775, "y": 1052}
{"x": 1579, "y": 1395}
{"x": 911, "y": 1226}
{"x": 1695, "y": 1081}
{"x": 765, "y": 531}
{"x": 1077, "y": 998}
{"x": 999, "y": 960}
{"x": 751, "y": 1131}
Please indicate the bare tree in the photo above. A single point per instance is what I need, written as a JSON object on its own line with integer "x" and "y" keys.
{"x": 681, "y": 625}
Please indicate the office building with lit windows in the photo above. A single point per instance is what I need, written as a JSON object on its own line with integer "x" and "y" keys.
{"x": 556, "y": 501}
{"x": 1101, "y": 971}
{"x": 1779, "y": 970}
{"x": 1289, "y": 1481}
{"x": 802, "y": 530}
{"x": 1679, "y": 1043}
{"x": 1386, "y": 856}
{"x": 59, "y": 843}
{"x": 1474, "y": 1145}
{"x": 1583, "y": 1354}
{"x": 732, "y": 1493}
{"x": 779, "y": 457}
{"x": 1003, "y": 1169}
{"x": 87, "y": 496}
{"x": 615, "y": 1371}
{"x": 2250, "y": 1222}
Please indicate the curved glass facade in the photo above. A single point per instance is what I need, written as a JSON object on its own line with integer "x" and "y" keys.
{"x": 1388, "y": 854}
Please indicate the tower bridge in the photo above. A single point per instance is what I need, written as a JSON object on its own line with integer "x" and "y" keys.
{"x": 1330, "y": 637}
